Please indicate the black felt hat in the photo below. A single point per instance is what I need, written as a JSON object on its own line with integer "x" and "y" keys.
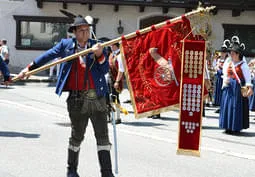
{"x": 236, "y": 46}
{"x": 225, "y": 46}
{"x": 223, "y": 49}
{"x": 78, "y": 21}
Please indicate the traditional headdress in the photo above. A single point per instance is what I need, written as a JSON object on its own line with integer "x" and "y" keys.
{"x": 225, "y": 46}
{"x": 236, "y": 46}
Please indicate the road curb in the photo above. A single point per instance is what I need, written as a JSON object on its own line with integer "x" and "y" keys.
{"x": 36, "y": 79}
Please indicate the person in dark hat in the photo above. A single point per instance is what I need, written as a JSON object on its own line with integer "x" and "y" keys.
{"x": 219, "y": 66}
{"x": 234, "y": 109}
{"x": 84, "y": 79}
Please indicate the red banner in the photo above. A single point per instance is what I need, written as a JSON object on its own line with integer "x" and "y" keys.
{"x": 192, "y": 89}
{"x": 153, "y": 64}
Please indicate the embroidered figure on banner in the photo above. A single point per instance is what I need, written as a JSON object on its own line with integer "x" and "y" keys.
{"x": 143, "y": 97}
{"x": 164, "y": 74}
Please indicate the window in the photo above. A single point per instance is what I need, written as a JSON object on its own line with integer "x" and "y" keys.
{"x": 152, "y": 20}
{"x": 246, "y": 34}
{"x": 40, "y": 33}
{"x": 43, "y": 28}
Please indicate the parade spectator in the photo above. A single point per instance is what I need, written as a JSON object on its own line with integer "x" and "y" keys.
{"x": 208, "y": 86}
{"x": 116, "y": 75}
{"x": 84, "y": 79}
{"x": 5, "y": 53}
{"x": 234, "y": 109}
{"x": 5, "y": 71}
{"x": 52, "y": 69}
{"x": 219, "y": 66}
{"x": 252, "y": 97}
{"x": 215, "y": 60}
{"x": 0, "y": 54}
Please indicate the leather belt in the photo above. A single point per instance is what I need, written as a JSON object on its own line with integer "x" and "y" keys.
{"x": 90, "y": 94}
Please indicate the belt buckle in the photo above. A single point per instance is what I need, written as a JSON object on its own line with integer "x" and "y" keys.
{"x": 91, "y": 94}
{"x": 77, "y": 93}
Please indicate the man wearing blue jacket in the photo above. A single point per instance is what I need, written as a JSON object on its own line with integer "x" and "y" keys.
{"x": 5, "y": 71}
{"x": 84, "y": 79}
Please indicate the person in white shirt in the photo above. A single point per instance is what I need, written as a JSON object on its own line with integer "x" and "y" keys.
{"x": 4, "y": 52}
{"x": 52, "y": 69}
{"x": 116, "y": 77}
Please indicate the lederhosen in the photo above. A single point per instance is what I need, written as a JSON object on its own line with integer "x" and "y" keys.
{"x": 84, "y": 105}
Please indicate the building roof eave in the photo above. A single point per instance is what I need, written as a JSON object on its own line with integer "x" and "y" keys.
{"x": 226, "y": 5}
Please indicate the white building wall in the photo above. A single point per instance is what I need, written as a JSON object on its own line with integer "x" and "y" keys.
{"x": 225, "y": 17}
{"x": 107, "y": 24}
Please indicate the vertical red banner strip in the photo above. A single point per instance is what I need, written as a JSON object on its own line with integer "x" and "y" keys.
{"x": 191, "y": 97}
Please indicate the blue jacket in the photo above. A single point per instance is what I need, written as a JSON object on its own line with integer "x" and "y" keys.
{"x": 4, "y": 69}
{"x": 66, "y": 48}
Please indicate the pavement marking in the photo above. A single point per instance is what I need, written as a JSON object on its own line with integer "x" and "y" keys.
{"x": 219, "y": 151}
{"x": 30, "y": 108}
{"x": 148, "y": 136}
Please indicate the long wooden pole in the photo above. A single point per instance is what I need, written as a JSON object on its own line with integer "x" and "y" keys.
{"x": 128, "y": 36}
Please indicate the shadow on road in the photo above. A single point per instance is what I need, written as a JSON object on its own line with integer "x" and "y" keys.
{"x": 244, "y": 134}
{"x": 18, "y": 134}
{"x": 210, "y": 127}
{"x": 52, "y": 84}
{"x": 131, "y": 112}
{"x": 212, "y": 117}
{"x": 66, "y": 124}
{"x": 142, "y": 124}
{"x": 168, "y": 119}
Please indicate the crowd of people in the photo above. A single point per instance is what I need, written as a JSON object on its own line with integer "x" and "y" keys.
{"x": 234, "y": 86}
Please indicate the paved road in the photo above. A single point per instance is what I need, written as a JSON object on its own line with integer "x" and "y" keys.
{"x": 34, "y": 131}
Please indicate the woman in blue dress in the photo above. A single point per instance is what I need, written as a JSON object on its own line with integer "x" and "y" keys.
{"x": 219, "y": 74}
{"x": 252, "y": 97}
{"x": 234, "y": 110}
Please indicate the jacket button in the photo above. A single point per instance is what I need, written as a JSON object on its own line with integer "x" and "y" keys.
{"x": 100, "y": 80}
{"x": 101, "y": 88}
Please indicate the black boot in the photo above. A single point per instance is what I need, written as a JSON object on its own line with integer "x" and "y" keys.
{"x": 73, "y": 158}
{"x": 105, "y": 163}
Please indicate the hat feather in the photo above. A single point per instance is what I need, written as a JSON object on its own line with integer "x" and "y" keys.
{"x": 235, "y": 40}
